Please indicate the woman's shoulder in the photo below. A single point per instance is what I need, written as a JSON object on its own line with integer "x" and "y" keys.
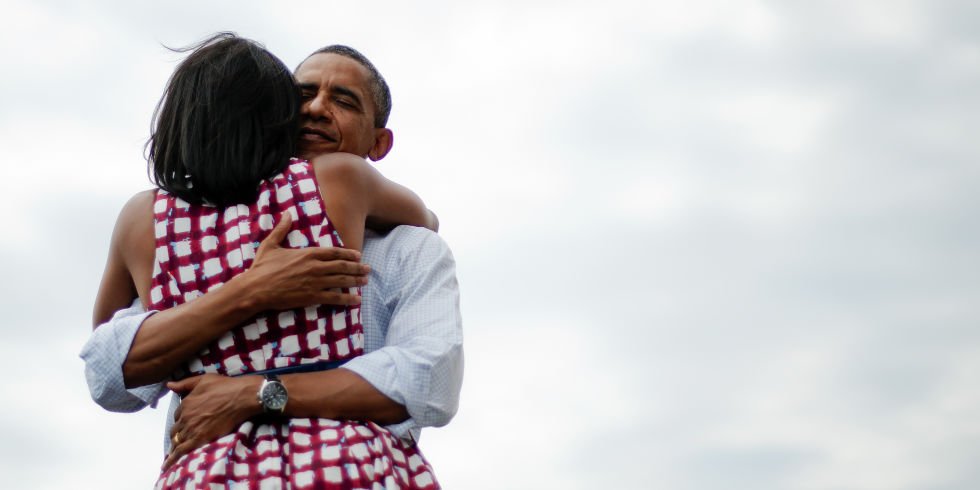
{"x": 143, "y": 197}
{"x": 337, "y": 158}
{"x": 340, "y": 166}
{"x": 332, "y": 172}
{"x": 139, "y": 206}
{"x": 136, "y": 217}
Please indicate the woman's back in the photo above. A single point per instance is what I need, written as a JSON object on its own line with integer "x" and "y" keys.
{"x": 200, "y": 247}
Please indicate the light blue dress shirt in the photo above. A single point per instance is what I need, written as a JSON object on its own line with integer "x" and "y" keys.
{"x": 413, "y": 337}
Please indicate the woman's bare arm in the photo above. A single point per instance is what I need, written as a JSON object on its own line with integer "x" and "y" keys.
{"x": 355, "y": 193}
{"x": 130, "y": 263}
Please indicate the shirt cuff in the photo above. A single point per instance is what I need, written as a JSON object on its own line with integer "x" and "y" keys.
{"x": 379, "y": 369}
{"x": 104, "y": 354}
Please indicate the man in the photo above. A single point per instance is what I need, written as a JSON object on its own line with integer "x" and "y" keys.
{"x": 411, "y": 372}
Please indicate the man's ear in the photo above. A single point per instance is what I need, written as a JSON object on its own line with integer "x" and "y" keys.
{"x": 383, "y": 139}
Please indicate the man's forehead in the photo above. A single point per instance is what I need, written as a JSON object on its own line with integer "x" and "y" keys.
{"x": 332, "y": 68}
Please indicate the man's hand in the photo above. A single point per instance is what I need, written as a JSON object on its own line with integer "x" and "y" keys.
{"x": 283, "y": 279}
{"x": 212, "y": 406}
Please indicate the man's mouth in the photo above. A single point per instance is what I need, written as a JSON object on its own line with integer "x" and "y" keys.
{"x": 312, "y": 134}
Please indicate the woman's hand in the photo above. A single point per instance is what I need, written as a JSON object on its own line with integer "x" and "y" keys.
{"x": 282, "y": 279}
{"x": 213, "y": 406}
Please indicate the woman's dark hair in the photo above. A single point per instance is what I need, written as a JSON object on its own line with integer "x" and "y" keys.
{"x": 228, "y": 119}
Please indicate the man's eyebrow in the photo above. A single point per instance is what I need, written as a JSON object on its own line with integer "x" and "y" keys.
{"x": 346, "y": 91}
{"x": 306, "y": 86}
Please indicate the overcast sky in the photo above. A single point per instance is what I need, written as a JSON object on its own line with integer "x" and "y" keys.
{"x": 701, "y": 245}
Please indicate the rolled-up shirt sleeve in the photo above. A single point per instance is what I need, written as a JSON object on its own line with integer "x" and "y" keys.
{"x": 104, "y": 354}
{"x": 419, "y": 361}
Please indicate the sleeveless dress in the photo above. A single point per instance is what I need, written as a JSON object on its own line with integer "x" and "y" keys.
{"x": 199, "y": 248}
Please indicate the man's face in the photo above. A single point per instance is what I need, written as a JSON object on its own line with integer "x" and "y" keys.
{"x": 337, "y": 112}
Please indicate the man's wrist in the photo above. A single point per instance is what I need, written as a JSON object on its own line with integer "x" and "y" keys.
{"x": 249, "y": 403}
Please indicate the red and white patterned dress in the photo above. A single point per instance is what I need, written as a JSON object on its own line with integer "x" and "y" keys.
{"x": 199, "y": 248}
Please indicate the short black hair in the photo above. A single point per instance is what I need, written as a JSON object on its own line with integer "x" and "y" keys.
{"x": 228, "y": 119}
{"x": 380, "y": 94}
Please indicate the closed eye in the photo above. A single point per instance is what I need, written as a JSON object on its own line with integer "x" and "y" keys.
{"x": 346, "y": 97}
{"x": 307, "y": 90}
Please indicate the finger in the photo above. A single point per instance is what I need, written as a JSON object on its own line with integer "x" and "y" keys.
{"x": 188, "y": 443}
{"x": 334, "y": 253}
{"x": 335, "y": 298}
{"x": 176, "y": 451}
{"x": 337, "y": 281}
{"x": 278, "y": 234}
{"x": 340, "y": 267}
{"x": 184, "y": 386}
{"x": 179, "y": 427}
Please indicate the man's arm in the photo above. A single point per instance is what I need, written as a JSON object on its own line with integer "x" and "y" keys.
{"x": 414, "y": 360}
{"x": 417, "y": 361}
{"x": 413, "y": 342}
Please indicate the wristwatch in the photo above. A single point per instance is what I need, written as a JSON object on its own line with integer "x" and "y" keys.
{"x": 272, "y": 394}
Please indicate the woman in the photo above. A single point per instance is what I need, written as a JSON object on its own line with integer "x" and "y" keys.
{"x": 219, "y": 153}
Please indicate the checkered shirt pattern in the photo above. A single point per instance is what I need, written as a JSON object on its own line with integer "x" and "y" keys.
{"x": 199, "y": 248}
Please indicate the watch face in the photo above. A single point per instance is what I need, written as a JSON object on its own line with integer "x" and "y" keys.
{"x": 274, "y": 396}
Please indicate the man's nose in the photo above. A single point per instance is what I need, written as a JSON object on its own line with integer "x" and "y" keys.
{"x": 317, "y": 107}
